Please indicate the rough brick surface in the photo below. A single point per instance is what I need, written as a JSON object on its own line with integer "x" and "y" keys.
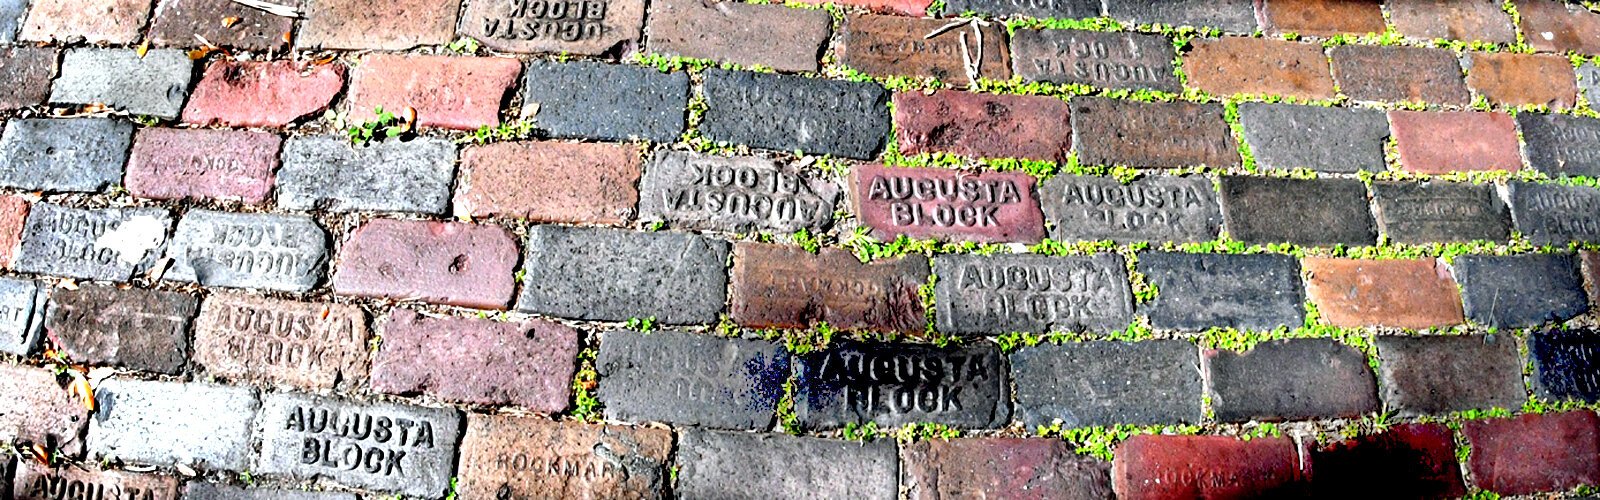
{"x": 35, "y": 482}
{"x": 787, "y": 287}
{"x": 533, "y": 457}
{"x": 1002, "y": 468}
{"x": 262, "y": 93}
{"x": 983, "y": 125}
{"x": 328, "y": 173}
{"x": 610, "y": 102}
{"x": 1559, "y": 144}
{"x": 1398, "y": 293}
{"x": 549, "y": 182}
{"x": 447, "y": 358}
{"x": 358, "y": 24}
{"x": 1200, "y": 291}
{"x": 103, "y": 244}
{"x": 29, "y": 69}
{"x": 1589, "y": 81}
{"x": 897, "y": 46}
{"x": 613, "y": 275}
{"x": 1442, "y": 374}
{"x": 1141, "y": 383}
{"x": 92, "y": 21}
{"x": 11, "y": 12}
{"x": 454, "y": 263}
{"x": 1244, "y": 65}
{"x": 1566, "y": 364}
{"x": 1058, "y": 9}
{"x": 947, "y": 204}
{"x": 1522, "y": 290}
{"x": 789, "y": 113}
{"x": 1332, "y": 381}
{"x": 1322, "y": 17}
{"x": 276, "y": 252}
{"x": 897, "y": 384}
{"x": 409, "y": 449}
{"x": 1108, "y": 60}
{"x": 1234, "y": 16}
{"x": 134, "y": 328}
{"x": 178, "y": 164}
{"x": 718, "y": 464}
{"x": 1154, "y": 209}
{"x": 1452, "y": 19}
{"x": 1323, "y": 212}
{"x": 1406, "y": 461}
{"x": 993, "y": 295}
{"x": 166, "y": 423}
{"x": 1437, "y": 142}
{"x": 1162, "y": 467}
{"x": 739, "y": 194}
{"x": 905, "y": 7}
{"x": 1590, "y": 266}
{"x": 1534, "y": 452}
{"x": 1159, "y": 135}
{"x": 601, "y": 27}
{"x": 245, "y": 338}
{"x": 21, "y": 316}
{"x": 13, "y": 216}
{"x": 740, "y": 33}
{"x": 1416, "y": 213}
{"x": 1550, "y": 214}
{"x": 1555, "y": 26}
{"x": 1520, "y": 79}
{"x": 446, "y": 91}
{"x": 1367, "y": 73}
{"x": 183, "y": 23}
{"x": 668, "y": 377}
{"x": 200, "y": 490}
{"x": 37, "y": 409}
{"x": 1287, "y": 136}
{"x": 155, "y": 84}
{"x": 74, "y": 154}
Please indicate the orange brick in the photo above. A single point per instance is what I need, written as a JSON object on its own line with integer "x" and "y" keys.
{"x": 549, "y": 181}
{"x": 1396, "y": 293}
{"x": 1322, "y": 17}
{"x": 1245, "y": 65}
{"x": 1517, "y": 79}
{"x": 1556, "y": 26}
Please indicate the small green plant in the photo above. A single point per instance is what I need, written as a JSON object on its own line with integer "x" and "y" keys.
{"x": 861, "y": 432}
{"x": 642, "y": 324}
{"x": 384, "y": 125}
{"x": 509, "y": 131}
{"x": 807, "y": 241}
{"x": 463, "y": 45}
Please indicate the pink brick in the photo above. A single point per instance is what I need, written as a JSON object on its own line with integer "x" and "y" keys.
{"x": 13, "y": 212}
{"x": 262, "y": 94}
{"x": 36, "y": 408}
{"x": 947, "y": 204}
{"x": 477, "y": 361}
{"x": 1174, "y": 467}
{"x": 549, "y": 181}
{"x": 1438, "y": 142}
{"x": 176, "y": 164}
{"x": 983, "y": 125}
{"x": 446, "y": 262}
{"x": 446, "y": 91}
{"x": 1534, "y": 453}
{"x": 907, "y": 7}
{"x": 93, "y": 21}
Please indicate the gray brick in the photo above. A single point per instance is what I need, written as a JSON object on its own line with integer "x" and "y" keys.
{"x": 669, "y": 377}
{"x": 1522, "y": 290}
{"x": 167, "y": 423}
{"x": 73, "y": 155}
{"x": 1561, "y": 145}
{"x": 1200, "y": 291}
{"x": 720, "y": 464}
{"x": 329, "y": 173}
{"x": 896, "y": 384}
{"x": 1233, "y": 16}
{"x": 409, "y": 449}
{"x": 1337, "y": 140}
{"x": 1322, "y": 212}
{"x": 209, "y": 491}
{"x": 609, "y": 102}
{"x": 154, "y": 84}
{"x": 102, "y": 244}
{"x": 741, "y": 194}
{"x": 1154, "y": 209}
{"x": 1551, "y": 214}
{"x": 21, "y": 315}
{"x": 1444, "y": 373}
{"x": 1298, "y": 379}
{"x": 1059, "y": 9}
{"x": 1106, "y": 60}
{"x": 997, "y": 294}
{"x": 136, "y": 328}
{"x": 1566, "y": 364}
{"x": 1137, "y": 134}
{"x": 1150, "y": 382}
{"x": 795, "y": 113}
{"x": 612, "y": 275}
{"x": 10, "y": 18}
{"x": 1416, "y": 213}
{"x": 276, "y": 252}
{"x": 1589, "y": 82}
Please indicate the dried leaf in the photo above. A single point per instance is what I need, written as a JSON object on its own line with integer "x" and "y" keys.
{"x": 69, "y": 284}
{"x": 198, "y": 54}
{"x": 40, "y": 454}
{"x": 159, "y": 268}
{"x": 286, "y": 37}
{"x": 80, "y": 387}
{"x": 325, "y": 311}
{"x": 228, "y": 22}
{"x": 142, "y": 49}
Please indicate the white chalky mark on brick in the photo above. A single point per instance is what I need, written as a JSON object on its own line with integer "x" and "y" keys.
{"x": 133, "y": 238}
{"x": 1548, "y": 36}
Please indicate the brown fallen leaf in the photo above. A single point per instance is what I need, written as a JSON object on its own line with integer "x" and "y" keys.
{"x": 80, "y": 387}
{"x": 40, "y": 454}
{"x": 228, "y": 22}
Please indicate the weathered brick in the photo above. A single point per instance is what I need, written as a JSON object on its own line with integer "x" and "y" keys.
{"x": 134, "y": 328}
{"x": 1399, "y": 293}
{"x": 154, "y": 84}
{"x": 167, "y": 423}
{"x": 1322, "y": 212}
{"x": 739, "y": 194}
{"x": 358, "y": 24}
{"x": 532, "y": 457}
{"x": 1565, "y": 364}
{"x": 412, "y": 449}
{"x": 1560, "y": 145}
{"x": 1337, "y": 140}
{"x": 92, "y": 21}
{"x": 793, "y": 113}
{"x": 1534, "y": 452}
{"x": 1552, "y": 214}
{"x": 906, "y": 7}
{"x": 197, "y": 164}
{"x": 1406, "y": 461}
{"x": 992, "y": 295}
{"x": 1244, "y": 65}
{"x": 1556, "y": 26}
{"x": 275, "y": 252}
{"x": 895, "y": 384}
{"x": 1201, "y": 291}
{"x": 609, "y": 102}
{"x": 1438, "y": 142}
{"x": 37, "y": 482}
{"x": 447, "y": 358}
{"x": 602, "y": 27}
{"x": 1522, "y": 290}
{"x": 254, "y": 339}
{"x": 72, "y": 154}
{"x": 200, "y": 490}
{"x": 1589, "y": 81}
{"x": 1445, "y": 373}
{"x": 1367, "y": 73}
{"x": 29, "y": 69}
{"x": 947, "y": 204}
{"x": 13, "y": 216}
{"x": 184, "y": 23}
{"x": 22, "y": 306}
{"x": 262, "y": 93}
{"x": 1589, "y": 261}
{"x": 1153, "y": 209}
{"x": 1167, "y": 467}
{"x": 1057, "y": 9}
{"x": 1106, "y": 60}
{"x": 898, "y": 46}
{"x": 1419, "y": 213}
{"x": 11, "y": 12}
{"x": 549, "y": 181}
{"x": 988, "y": 467}
{"x": 720, "y": 464}
{"x": 446, "y": 91}
{"x": 1322, "y": 17}
{"x": 787, "y": 287}
{"x": 1331, "y": 380}
{"x": 668, "y": 377}
{"x": 983, "y": 125}
{"x": 1234, "y": 16}
{"x": 613, "y": 275}
{"x": 1158, "y": 135}
{"x": 454, "y": 263}
{"x": 37, "y": 409}
{"x": 1523, "y": 79}
{"x": 328, "y": 173}
{"x": 1469, "y": 20}
{"x": 740, "y": 33}
{"x": 103, "y": 244}
{"x": 1150, "y": 382}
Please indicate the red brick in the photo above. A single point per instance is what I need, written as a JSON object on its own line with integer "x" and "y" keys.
{"x": 1407, "y": 461}
{"x": 1591, "y": 273}
{"x": 520, "y": 457}
{"x": 1002, "y": 468}
{"x": 93, "y": 21}
{"x": 27, "y": 71}
{"x": 13, "y": 213}
{"x": 786, "y": 287}
{"x": 446, "y": 91}
{"x": 393, "y": 25}
{"x": 262, "y": 93}
{"x": 907, "y": 7}
{"x": 1367, "y": 73}
{"x": 1558, "y": 26}
{"x": 241, "y": 337}
{"x": 1173, "y": 467}
{"x": 179, "y": 23}
{"x": 983, "y": 125}
{"x": 36, "y": 408}
{"x": 1244, "y": 65}
{"x": 198, "y": 164}
{"x": 947, "y": 204}
{"x": 895, "y": 46}
{"x": 445, "y": 262}
{"x": 477, "y": 361}
{"x": 1437, "y": 142}
{"x": 769, "y": 35}
{"x": 550, "y": 181}
{"x": 1399, "y": 293}
{"x": 1516, "y": 79}
{"x": 1535, "y": 453}
{"x": 1322, "y": 17}
{"x": 35, "y": 482}
{"x": 1469, "y": 20}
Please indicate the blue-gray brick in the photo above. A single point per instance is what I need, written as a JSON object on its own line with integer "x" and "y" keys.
{"x": 997, "y": 294}
{"x": 1233, "y": 16}
{"x": 795, "y": 113}
{"x": 154, "y": 84}
{"x": 609, "y": 102}
{"x": 1552, "y": 214}
{"x": 103, "y": 244}
{"x": 1320, "y": 212}
{"x": 169, "y": 423}
{"x": 1521, "y": 290}
{"x": 10, "y": 19}
{"x": 1561, "y": 145}
{"x": 1153, "y": 209}
{"x": 691, "y": 379}
{"x": 1434, "y": 374}
{"x": 1418, "y": 213}
{"x": 329, "y": 173}
{"x": 613, "y": 275}
{"x": 1338, "y": 140}
{"x": 69, "y": 155}
{"x": 21, "y": 315}
{"x": 897, "y": 384}
{"x": 209, "y": 491}
{"x": 277, "y": 252}
{"x": 1151, "y": 382}
{"x": 1199, "y": 291}
{"x": 1566, "y": 364}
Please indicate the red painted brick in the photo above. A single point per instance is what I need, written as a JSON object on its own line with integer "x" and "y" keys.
{"x": 93, "y": 21}
{"x": 895, "y": 46}
{"x": 1407, "y": 461}
{"x": 35, "y": 482}
{"x": 176, "y": 164}
{"x": 1002, "y": 468}
{"x": 477, "y": 361}
{"x": 786, "y": 287}
{"x": 1398, "y": 293}
{"x": 254, "y": 339}
{"x": 1322, "y": 17}
{"x": 36, "y": 408}
{"x": 1437, "y": 142}
{"x": 519, "y": 457}
{"x": 27, "y": 71}
{"x": 983, "y": 125}
{"x": 1452, "y": 19}
{"x": 907, "y": 7}
{"x": 1535, "y": 453}
{"x": 446, "y": 91}
{"x": 1558, "y": 26}
{"x": 13, "y": 213}
{"x": 769, "y": 35}
{"x": 1244, "y": 65}
{"x": 179, "y": 23}
{"x": 1515, "y": 79}
{"x": 262, "y": 93}
{"x": 446, "y": 262}
{"x": 1367, "y": 73}
{"x": 550, "y": 181}
{"x": 947, "y": 204}
{"x": 1174, "y": 467}
{"x": 392, "y": 25}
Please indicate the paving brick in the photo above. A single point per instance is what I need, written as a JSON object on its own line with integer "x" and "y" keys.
{"x": 1442, "y": 374}
{"x": 895, "y": 384}
{"x": 786, "y": 287}
{"x": 1244, "y": 65}
{"x": 1564, "y": 364}
{"x": 455, "y": 263}
{"x": 199, "y": 490}
{"x": 1522, "y": 79}
{"x": 793, "y": 113}
{"x": 906, "y": 7}
{"x": 549, "y": 181}
{"x": 1534, "y": 452}
{"x": 1234, "y": 16}
{"x": 1141, "y": 383}
{"x": 1438, "y": 142}
{"x": 1100, "y": 59}
{"x": 358, "y": 24}
{"x": 1589, "y": 261}
{"x": 1158, "y": 135}
{"x": 1406, "y": 461}
{"x": 1153, "y": 209}
{"x": 134, "y": 328}
{"x": 1561, "y": 145}
{"x": 1322, "y": 17}
{"x": 92, "y": 21}
{"x": 1201, "y": 291}
{"x": 30, "y": 69}
{"x": 385, "y": 447}
{"x": 1323, "y": 212}
{"x": 167, "y": 423}
{"x": 1555, "y": 26}
{"x": 184, "y": 23}
{"x": 668, "y": 377}
{"x": 1335, "y": 140}
{"x": 947, "y": 204}
{"x": 446, "y": 91}
{"x": 262, "y": 93}
{"x": 275, "y": 252}
{"x": 21, "y": 316}
{"x": 1003, "y": 467}
{"x": 612, "y": 275}
{"x": 1521, "y": 291}
{"x": 898, "y": 46}
{"x": 1589, "y": 81}
{"x": 533, "y": 457}
{"x": 11, "y": 12}
{"x": 36, "y": 482}
{"x": 1419, "y": 213}
{"x": 13, "y": 215}
{"x": 720, "y": 464}
{"x": 610, "y": 102}
{"x": 73, "y": 154}
{"x": 1398, "y": 293}
{"x": 983, "y": 125}
{"x": 155, "y": 84}
{"x": 245, "y": 338}
{"x": 37, "y": 409}
{"x": 1550, "y": 214}
{"x": 1469, "y": 20}
{"x": 740, "y": 194}
{"x": 1161, "y": 467}
{"x": 993, "y": 295}
{"x": 592, "y": 28}
{"x": 531, "y": 361}
{"x": 102, "y": 244}
{"x": 328, "y": 173}
{"x": 1056, "y": 9}
{"x": 196, "y": 164}
{"x": 740, "y": 33}
{"x": 1367, "y": 73}
{"x": 1330, "y": 380}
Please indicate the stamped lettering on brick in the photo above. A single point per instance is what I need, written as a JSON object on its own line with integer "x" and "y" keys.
{"x": 586, "y": 27}
{"x": 1160, "y": 467}
{"x": 21, "y": 315}
{"x": 277, "y": 252}
{"x": 379, "y": 446}
{"x": 894, "y": 384}
{"x": 135, "y": 328}
{"x": 1105, "y": 60}
{"x": 691, "y": 379}
{"x": 899, "y": 46}
{"x": 523, "y": 457}
{"x": 1415, "y": 213}
{"x": 1159, "y": 135}
{"x": 1566, "y": 364}
{"x": 947, "y": 204}
{"x": 739, "y": 194}
{"x": 106, "y": 244}
{"x": 1550, "y": 214}
{"x": 1155, "y": 209}
{"x": 170, "y": 164}
{"x": 35, "y": 481}
{"x": 935, "y": 469}
{"x": 787, "y": 287}
{"x": 313, "y": 346}
{"x": 1560, "y": 144}
{"x": 982, "y": 295}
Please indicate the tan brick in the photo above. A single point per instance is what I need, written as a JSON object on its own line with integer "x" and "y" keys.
{"x": 895, "y": 46}
{"x": 1516, "y": 79}
{"x": 36, "y": 408}
{"x": 526, "y": 457}
{"x": 13, "y": 212}
{"x": 549, "y": 182}
{"x": 1244, "y": 65}
{"x": 391, "y": 25}
{"x": 93, "y": 21}
{"x": 1396, "y": 293}
{"x": 244, "y": 338}
{"x": 1469, "y": 20}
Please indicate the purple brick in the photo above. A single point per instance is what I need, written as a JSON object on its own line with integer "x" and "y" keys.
{"x": 477, "y": 361}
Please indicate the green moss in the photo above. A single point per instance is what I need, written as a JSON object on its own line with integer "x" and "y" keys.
{"x": 1098, "y": 441}
{"x": 911, "y": 433}
{"x": 586, "y": 406}
{"x": 785, "y": 410}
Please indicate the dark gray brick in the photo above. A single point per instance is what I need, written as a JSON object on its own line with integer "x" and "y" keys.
{"x": 1322, "y": 212}
{"x": 277, "y": 252}
{"x": 1058, "y": 9}
{"x": 1521, "y": 290}
{"x": 610, "y": 102}
{"x": 1200, "y": 291}
{"x": 409, "y": 449}
{"x": 329, "y": 173}
{"x": 720, "y": 464}
{"x": 1412, "y": 212}
{"x": 998, "y": 294}
{"x": 1151, "y": 134}
{"x": 1151, "y": 382}
{"x": 1339, "y": 140}
{"x": 612, "y": 275}
{"x": 740, "y": 194}
{"x": 102, "y": 244}
{"x": 690, "y": 379}
{"x": 1444, "y": 373}
{"x": 21, "y": 315}
{"x": 1290, "y": 380}
{"x": 790, "y": 113}
{"x": 895, "y": 384}
{"x": 1589, "y": 82}
{"x": 1105, "y": 60}
{"x": 154, "y": 84}
{"x": 168, "y": 423}
{"x": 210, "y": 491}
{"x": 74, "y": 154}
{"x": 135, "y": 328}
{"x": 1559, "y": 144}
{"x": 1566, "y": 364}
{"x": 10, "y": 17}
{"x": 1233, "y": 16}
{"x": 1551, "y": 214}
{"x": 1155, "y": 209}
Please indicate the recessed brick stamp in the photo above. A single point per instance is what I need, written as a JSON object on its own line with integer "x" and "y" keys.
{"x": 1157, "y": 467}
{"x": 184, "y": 23}
{"x": 30, "y": 69}
{"x": 612, "y": 275}
{"x": 446, "y": 91}
{"x": 1521, "y": 290}
{"x": 262, "y": 93}
{"x": 1366, "y": 73}
{"x": 740, "y": 33}
{"x": 1321, "y": 212}
{"x": 735, "y": 194}
{"x": 991, "y": 295}
{"x": 447, "y": 358}
{"x": 1561, "y": 145}
{"x": 947, "y": 204}
{"x": 1338, "y": 140}
{"x": 1551, "y": 214}
{"x": 983, "y": 125}
{"x": 1244, "y": 65}
{"x": 1140, "y": 383}
{"x": 1523, "y": 79}
{"x": 1534, "y": 452}
{"x": 134, "y": 328}
{"x": 1154, "y": 209}
{"x": 71, "y": 155}
{"x": 895, "y": 384}
{"x": 1438, "y": 142}
{"x": 168, "y": 423}
{"x": 200, "y": 490}
{"x": 667, "y": 377}
{"x": 609, "y": 102}
{"x": 1438, "y": 374}
{"x": 975, "y": 467}
{"x": 530, "y": 457}
{"x": 721, "y": 464}
{"x": 36, "y": 481}
{"x": 1408, "y": 460}
{"x": 22, "y": 306}
{"x": 591, "y": 28}
{"x": 102, "y": 244}
{"x": 1155, "y": 135}
{"x": 358, "y": 24}
{"x": 154, "y": 84}
{"x": 38, "y": 409}
{"x": 454, "y": 263}
{"x": 1566, "y": 364}
{"x": 1399, "y": 293}
{"x": 1420, "y": 213}
{"x": 899, "y": 46}
{"x": 275, "y": 252}
{"x": 1454, "y": 20}
{"x": 197, "y": 164}
{"x": 1104, "y": 60}
{"x": 1320, "y": 17}
{"x": 377, "y": 446}
{"x": 92, "y": 21}
{"x": 777, "y": 286}
{"x": 1233, "y": 16}
{"x": 790, "y": 113}
{"x": 328, "y": 173}
{"x": 246, "y": 338}
{"x": 1335, "y": 382}
{"x": 549, "y": 182}
{"x": 1200, "y": 291}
